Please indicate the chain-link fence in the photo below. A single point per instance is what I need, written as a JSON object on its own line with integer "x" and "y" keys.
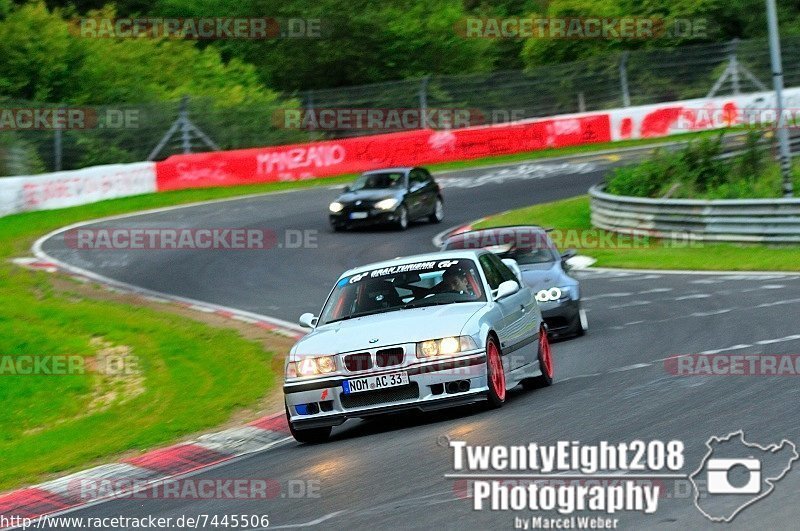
{"x": 125, "y": 133}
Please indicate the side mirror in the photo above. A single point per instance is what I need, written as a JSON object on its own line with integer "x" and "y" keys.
{"x": 309, "y": 320}
{"x": 514, "y": 267}
{"x": 509, "y": 287}
{"x": 565, "y": 257}
{"x": 346, "y": 189}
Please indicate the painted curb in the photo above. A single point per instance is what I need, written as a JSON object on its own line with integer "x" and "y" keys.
{"x": 135, "y": 474}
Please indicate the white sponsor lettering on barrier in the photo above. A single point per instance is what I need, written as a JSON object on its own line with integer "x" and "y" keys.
{"x": 670, "y": 118}
{"x": 76, "y": 187}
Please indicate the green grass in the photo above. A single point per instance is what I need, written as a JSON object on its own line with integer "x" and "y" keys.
{"x": 188, "y": 376}
{"x": 571, "y": 218}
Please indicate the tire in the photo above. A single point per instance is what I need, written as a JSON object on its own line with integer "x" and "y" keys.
{"x": 495, "y": 374}
{"x": 438, "y": 212}
{"x": 583, "y": 323}
{"x": 402, "y": 218}
{"x": 309, "y": 436}
{"x": 545, "y": 363}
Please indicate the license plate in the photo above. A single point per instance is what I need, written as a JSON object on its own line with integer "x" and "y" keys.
{"x": 359, "y": 215}
{"x": 371, "y": 383}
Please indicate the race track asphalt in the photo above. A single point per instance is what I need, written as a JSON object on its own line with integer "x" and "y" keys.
{"x": 610, "y": 385}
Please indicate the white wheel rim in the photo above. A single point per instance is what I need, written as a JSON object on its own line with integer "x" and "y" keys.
{"x": 584, "y": 319}
{"x": 403, "y": 218}
{"x": 439, "y": 210}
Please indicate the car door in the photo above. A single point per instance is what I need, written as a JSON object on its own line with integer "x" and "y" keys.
{"x": 519, "y": 315}
{"x": 416, "y": 194}
{"x": 431, "y": 191}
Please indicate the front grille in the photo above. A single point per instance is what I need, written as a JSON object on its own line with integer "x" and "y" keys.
{"x": 361, "y": 361}
{"x": 389, "y": 356}
{"x": 381, "y": 396}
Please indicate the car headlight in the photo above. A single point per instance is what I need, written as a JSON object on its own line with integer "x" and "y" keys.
{"x": 548, "y": 295}
{"x": 446, "y": 346}
{"x": 311, "y": 366}
{"x": 386, "y": 204}
{"x": 566, "y": 292}
{"x": 335, "y": 207}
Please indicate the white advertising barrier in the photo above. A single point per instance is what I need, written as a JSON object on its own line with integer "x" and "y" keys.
{"x": 77, "y": 187}
{"x": 671, "y": 118}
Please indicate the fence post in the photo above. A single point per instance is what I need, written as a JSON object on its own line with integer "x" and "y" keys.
{"x": 186, "y": 127}
{"x": 734, "y": 66}
{"x": 623, "y": 79}
{"x": 423, "y": 101}
{"x": 58, "y": 149}
{"x": 183, "y": 117}
{"x": 581, "y": 102}
{"x": 310, "y": 110}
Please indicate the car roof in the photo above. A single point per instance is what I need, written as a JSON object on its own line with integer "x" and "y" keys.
{"x": 470, "y": 254}
{"x": 399, "y": 169}
{"x": 489, "y": 230}
{"x": 534, "y": 228}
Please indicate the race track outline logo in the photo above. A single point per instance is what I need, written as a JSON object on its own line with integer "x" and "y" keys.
{"x": 719, "y": 498}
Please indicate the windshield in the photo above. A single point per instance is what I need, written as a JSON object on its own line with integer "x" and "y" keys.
{"x": 524, "y": 246}
{"x": 379, "y": 181}
{"x": 404, "y": 286}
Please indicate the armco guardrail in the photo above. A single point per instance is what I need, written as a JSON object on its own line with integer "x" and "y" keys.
{"x": 724, "y": 220}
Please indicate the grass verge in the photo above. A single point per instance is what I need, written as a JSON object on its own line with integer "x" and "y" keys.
{"x": 134, "y": 377}
{"x": 571, "y": 219}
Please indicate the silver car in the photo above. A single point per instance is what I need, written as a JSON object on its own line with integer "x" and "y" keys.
{"x": 422, "y": 332}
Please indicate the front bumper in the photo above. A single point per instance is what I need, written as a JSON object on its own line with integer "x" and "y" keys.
{"x": 325, "y": 404}
{"x": 562, "y": 317}
{"x": 374, "y": 217}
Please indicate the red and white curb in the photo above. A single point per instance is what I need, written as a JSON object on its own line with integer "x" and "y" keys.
{"x": 144, "y": 470}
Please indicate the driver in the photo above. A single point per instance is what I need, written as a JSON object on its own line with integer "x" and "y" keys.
{"x": 454, "y": 279}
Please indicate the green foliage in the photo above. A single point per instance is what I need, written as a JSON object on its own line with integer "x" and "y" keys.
{"x": 18, "y": 156}
{"x": 698, "y": 172}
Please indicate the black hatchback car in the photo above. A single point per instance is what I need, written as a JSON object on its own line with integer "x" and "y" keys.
{"x": 393, "y": 196}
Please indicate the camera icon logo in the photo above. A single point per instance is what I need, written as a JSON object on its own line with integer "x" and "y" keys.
{"x": 718, "y": 476}
{"x": 736, "y": 473}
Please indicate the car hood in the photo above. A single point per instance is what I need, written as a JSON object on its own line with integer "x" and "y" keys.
{"x": 368, "y": 195}
{"x": 544, "y": 276}
{"x": 390, "y": 328}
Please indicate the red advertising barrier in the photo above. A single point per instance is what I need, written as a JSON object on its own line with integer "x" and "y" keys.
{"x": 353, "y": 155}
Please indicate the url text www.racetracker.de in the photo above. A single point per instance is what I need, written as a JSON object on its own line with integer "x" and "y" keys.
{"x": 198, "y": 521}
